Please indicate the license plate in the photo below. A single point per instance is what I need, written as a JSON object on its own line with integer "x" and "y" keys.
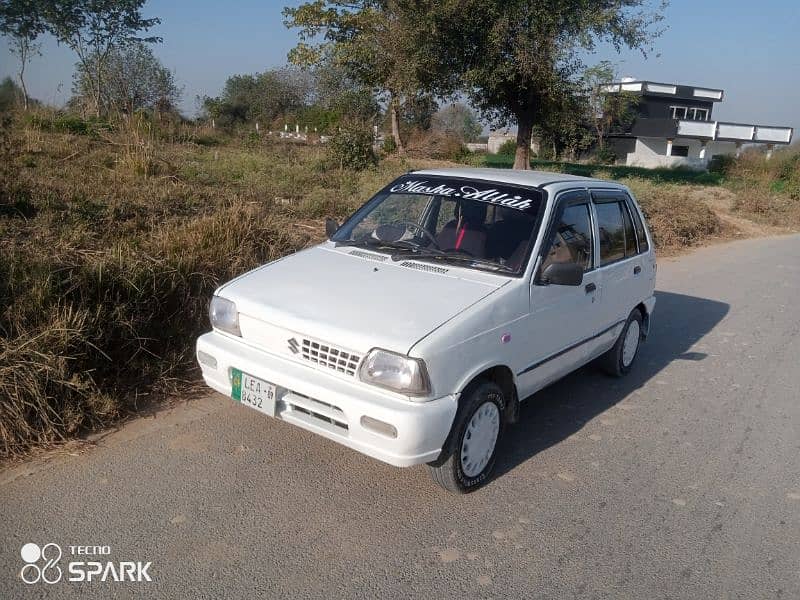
{"x": 253, "y": 392}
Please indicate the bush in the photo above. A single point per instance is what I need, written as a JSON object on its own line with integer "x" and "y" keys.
{"x": 508, "y": 148}
{"x": 604, "y": 156}
{"x": 677, "y": 219}
{"x": 389, "y": 146}
{"x": 437, "y": 145}
{"x": 351, "y": 148}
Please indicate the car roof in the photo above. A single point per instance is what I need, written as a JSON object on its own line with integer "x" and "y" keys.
{"x": 511, "y": 176}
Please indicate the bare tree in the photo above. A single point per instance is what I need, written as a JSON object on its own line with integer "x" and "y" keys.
{"x": 23, "y": 22}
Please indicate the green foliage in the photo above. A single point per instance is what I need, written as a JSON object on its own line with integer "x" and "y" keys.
{"x": 351, "y": 148}
{"x": 507, "y": 148}
{"x": 389, "y": 146}
{"x": 10, "y": 94}
{"x": 68, "y": 123}
{"x": 263, "y": 97}
{"x": 515, "y": 56}
{"x": 605, "y": 156}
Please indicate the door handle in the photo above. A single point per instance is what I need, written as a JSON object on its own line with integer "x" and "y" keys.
{"x": 590, "y": 287}
{"x": 637, "y": 269}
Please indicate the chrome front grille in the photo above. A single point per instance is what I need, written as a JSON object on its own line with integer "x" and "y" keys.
{"x": 329, "y": 356}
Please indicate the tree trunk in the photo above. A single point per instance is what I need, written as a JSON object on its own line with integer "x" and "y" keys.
{"x": 23, "y": 59}
{"x": 522, "y": 157}
{"x": 395, "y": 118}
{"x": 24, "y": 89}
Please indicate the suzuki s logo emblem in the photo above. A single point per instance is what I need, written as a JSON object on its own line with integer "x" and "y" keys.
{"x": 294, "y": 346}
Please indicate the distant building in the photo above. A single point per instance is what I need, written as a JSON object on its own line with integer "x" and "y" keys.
{"x": 674, "y": 126}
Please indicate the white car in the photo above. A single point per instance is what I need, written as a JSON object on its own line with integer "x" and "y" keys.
{"x": 414, "y": 332}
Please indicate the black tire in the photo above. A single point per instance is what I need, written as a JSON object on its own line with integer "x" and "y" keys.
{"x": 612, "y": 361}
{"x": 448, "y": 470}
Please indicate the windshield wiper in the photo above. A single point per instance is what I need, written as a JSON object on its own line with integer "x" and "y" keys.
{"x": 457, "y": 257}
{"x": 373, "y": 243}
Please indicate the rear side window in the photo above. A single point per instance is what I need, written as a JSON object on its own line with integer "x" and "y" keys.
{"x": 612, "y": 232}
{"x": 571, "y": 239}
{"x": 644, "y": 246}
{"x": 630, "y": 236}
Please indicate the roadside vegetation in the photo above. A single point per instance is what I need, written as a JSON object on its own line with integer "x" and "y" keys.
{"x": 114, "y": 236}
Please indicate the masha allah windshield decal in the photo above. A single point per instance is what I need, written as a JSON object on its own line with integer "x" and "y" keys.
{"x": 503, "y": 196}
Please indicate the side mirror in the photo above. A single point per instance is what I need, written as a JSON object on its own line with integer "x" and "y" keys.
{"x": 562, "y": 274}
{"x": 331, "y": 227}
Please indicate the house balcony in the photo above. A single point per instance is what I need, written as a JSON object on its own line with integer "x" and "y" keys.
{"x": 733, "y": 132}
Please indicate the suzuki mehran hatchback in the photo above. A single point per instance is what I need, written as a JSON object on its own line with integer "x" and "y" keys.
{"x": 414, "y": 332}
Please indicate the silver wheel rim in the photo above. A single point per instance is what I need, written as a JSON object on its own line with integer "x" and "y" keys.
{"x": 631, "y": 343}
{"x": 480, "y": 438}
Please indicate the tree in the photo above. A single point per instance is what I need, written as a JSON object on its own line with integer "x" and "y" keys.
{"x": 134, "y": 79}
{"x": 513, "y": 56}
{"x": 608, "y": 111}
{"x": 23, "y": 21}
{"x": 93, "y": 29}
{"x": 263, "y": 97}
{"x": 459, "y": 120}
{"x": 369, "y": 39}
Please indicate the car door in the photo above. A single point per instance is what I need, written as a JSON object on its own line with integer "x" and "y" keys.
{"x": 562, "y": 317}
{"x": 619, "y": 260}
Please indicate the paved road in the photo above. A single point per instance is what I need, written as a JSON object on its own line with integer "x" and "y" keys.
{"x": 680, "y": 481}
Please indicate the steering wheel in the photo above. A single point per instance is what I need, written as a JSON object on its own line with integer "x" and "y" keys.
{"x": 425, "y": 233}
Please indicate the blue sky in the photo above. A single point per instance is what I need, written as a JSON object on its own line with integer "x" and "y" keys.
{"x": 749, "y": 49}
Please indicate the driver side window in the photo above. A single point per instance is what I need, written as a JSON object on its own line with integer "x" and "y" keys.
{"x": 571, "y": 238}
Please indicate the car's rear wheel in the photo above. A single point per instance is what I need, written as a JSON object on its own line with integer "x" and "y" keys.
{"x": 619, "y": 360}
{"x": 468, "y": 458}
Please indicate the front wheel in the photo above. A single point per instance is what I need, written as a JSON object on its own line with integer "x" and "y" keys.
{"x": 468, "y": 458}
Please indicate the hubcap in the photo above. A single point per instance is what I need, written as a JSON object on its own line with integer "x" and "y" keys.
{"x": 480, "y": 439}
{"x": 631, "y": 343}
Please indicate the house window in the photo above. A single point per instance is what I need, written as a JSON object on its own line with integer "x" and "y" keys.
{"x": 679, "y": 112}
{"x": 680, "y": 151}
{"x": 699, "y": 114}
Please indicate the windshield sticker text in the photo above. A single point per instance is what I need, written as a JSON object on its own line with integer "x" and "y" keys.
{"x": 492, "y": 195}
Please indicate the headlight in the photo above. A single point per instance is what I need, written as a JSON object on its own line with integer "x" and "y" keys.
{"x": 224, "y": 316}
{"x": 395, "y": 372}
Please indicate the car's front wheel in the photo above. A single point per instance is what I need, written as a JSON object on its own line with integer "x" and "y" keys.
{"x": 468, "y": 458}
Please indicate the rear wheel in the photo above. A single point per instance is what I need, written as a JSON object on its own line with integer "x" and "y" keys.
{"x": 468, "y": 457}
{"x": 619, "y": 360}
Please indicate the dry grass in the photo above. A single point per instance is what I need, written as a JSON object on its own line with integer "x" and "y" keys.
{"x": 768, "y": 190}
{"x": 676, "y": 218}
{"x": 110, "y": 248}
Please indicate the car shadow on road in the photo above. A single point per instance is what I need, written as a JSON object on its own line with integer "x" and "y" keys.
{"x": 560, "y": 410}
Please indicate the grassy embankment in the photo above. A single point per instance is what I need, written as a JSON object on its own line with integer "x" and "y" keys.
{"x": 112, "y": 241}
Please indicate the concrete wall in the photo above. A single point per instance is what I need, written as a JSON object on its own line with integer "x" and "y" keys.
{"x": 652, "y": 153}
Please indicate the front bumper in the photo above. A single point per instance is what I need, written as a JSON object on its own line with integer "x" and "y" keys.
{"x": 332, "y": 406}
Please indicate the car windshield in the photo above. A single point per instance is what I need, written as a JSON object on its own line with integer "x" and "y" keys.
{"x": 474, "y": 223}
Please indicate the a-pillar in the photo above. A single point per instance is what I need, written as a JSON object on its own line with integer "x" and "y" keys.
{"x": 738, "y": 149}
{"x": 669, "y": 146}
{"x": 770, "y": 148}
{"x": 703, "y": 149}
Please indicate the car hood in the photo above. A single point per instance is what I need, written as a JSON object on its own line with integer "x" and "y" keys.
{"x": 356, "y": 298}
